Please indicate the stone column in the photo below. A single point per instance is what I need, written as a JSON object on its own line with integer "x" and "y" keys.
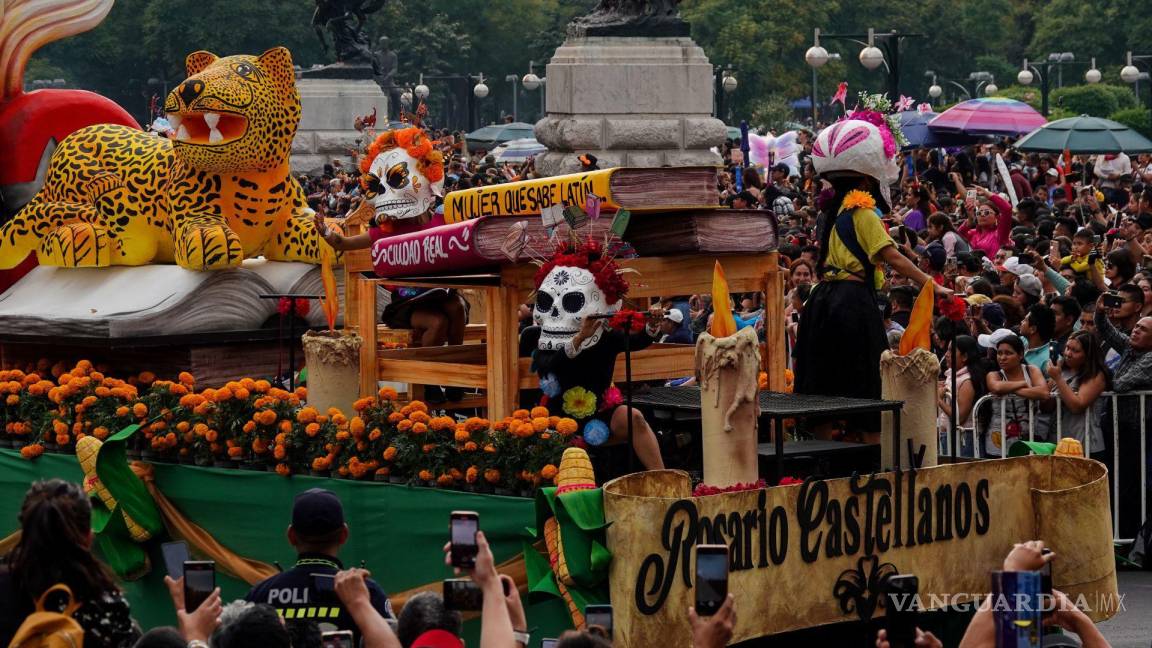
{"x": 330, "y": 100}
{"x": 630, "y": 101}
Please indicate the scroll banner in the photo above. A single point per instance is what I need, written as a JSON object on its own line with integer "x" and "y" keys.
{"x": 816, "y": 553}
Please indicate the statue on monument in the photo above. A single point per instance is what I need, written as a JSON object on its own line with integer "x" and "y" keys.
{"x": 345, "y": 20}
{"x": 384, "y": 64}
{"x": 631, "y": 18}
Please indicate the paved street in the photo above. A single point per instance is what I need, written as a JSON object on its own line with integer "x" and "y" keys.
{"x": 1132, "y": 628}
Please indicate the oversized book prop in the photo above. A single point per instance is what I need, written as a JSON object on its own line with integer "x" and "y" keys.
{"x": 637, "y": 189}
{"x": 703, "y": 230}
{"x": 473, "y": 244}
{"x": 816, "y": 553}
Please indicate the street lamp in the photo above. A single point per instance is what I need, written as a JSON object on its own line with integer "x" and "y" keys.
{"x": 816, "y": 57}
{"x": 532, "y": 82}
{"x": 991, "y": 89}
{"x": 421, "y": 91}
{"x": 481, "y": 88}
{"x": 1028, "y": 74}
{"x": 725, "y": 84}
{"x": 1093, "y": 75}
{"x": 514, "y": 80}
{"x": 1132, "y": 74}
{"x": 1060, "y": 59}
{"x": 871, "y": 57}
{"x": 934, "y": 90}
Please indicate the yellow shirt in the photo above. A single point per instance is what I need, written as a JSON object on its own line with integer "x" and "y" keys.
{"x": 872, "y": 237}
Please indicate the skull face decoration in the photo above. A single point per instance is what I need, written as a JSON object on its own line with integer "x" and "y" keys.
{"x": 574, "y": 285}
{"x": 403, "y": 175}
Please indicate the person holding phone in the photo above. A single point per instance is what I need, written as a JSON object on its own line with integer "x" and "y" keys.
{"x": 317, "y": 532}
{"x": 989, "y": 223}
{"x": 495, "y": 621}
{"x": 55, "y": 546}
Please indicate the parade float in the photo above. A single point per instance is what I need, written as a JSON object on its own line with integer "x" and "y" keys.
{"x": 192, "y": 231}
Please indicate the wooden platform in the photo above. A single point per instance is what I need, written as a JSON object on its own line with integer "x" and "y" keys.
{"x": 494, "y": 365}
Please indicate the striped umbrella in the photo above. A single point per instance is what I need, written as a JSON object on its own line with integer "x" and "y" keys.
{"x": 518, "y": 150}
{"x": 1085, "y": 135}
{"x": 988, "y": 116}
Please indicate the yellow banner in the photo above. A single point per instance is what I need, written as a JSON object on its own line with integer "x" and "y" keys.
{"x": 816, "y": 553}
{"x": 528, "y": 197}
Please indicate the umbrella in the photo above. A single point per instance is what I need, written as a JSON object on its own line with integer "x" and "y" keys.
{"x": 518, "y": 150}
{"x": 499, "y": 133}
{"x": 989, "y": 116}
{"x": 915, "y": 126}
{"x": 1083, "y": 135}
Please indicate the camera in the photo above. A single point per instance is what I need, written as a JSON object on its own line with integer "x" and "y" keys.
{"x": 1113, "y": 299}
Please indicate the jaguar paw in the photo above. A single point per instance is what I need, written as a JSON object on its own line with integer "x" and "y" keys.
{"x": 76, "y": 245}
{"x": 208, "y": 247}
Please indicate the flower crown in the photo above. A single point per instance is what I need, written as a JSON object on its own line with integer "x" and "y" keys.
{"x": 589, "y": 256}
{"x": 877, "y": 109}
{"x": 413, "y": 140}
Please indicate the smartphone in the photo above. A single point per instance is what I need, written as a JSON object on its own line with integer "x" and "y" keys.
{"x": 900, "y": 618}
{"x": 463, "y": 526}
{"x": 175, "y": 555}
{"x": 970, "y": 196}
{"x": 336, "y": 639}
{"x": 1046, "y": 581}
{"x": 1113, "y": 299}
{"x": 463, "y": 595}
{"x": 199, "y": 582}
{"x": 1016, "y": 610}
{"x": 711, "y": 578}
{"x": 548, "y": 643}
{"x": 599, "y": 615}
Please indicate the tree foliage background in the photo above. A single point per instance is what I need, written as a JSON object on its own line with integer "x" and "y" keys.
{"x": 764, "y": 40}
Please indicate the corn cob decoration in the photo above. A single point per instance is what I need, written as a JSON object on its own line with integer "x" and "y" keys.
{"x": 86, "y": 451}
{"x": 575, "y": 473}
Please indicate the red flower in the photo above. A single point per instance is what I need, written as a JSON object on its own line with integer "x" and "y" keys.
{"x": 628, "y": 321}
{"x": 302, "y": 306}
{"x": 703, "y": 489}
{"x": 953, "y": 308}
{"x": 787, "y": 481}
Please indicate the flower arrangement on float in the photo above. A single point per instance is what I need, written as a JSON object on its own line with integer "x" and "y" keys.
{"x": 253, "y": 425}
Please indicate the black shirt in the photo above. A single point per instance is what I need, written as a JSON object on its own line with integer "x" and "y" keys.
{"x": 106, "y": 619}
{"x": 295, "y": 598}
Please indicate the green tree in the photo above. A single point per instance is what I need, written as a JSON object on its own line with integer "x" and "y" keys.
{"x": 1135, "y": 118}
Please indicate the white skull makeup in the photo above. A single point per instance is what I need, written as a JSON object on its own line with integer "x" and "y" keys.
{"x": 397, "y": 188}
{"x": 565, "y": 297}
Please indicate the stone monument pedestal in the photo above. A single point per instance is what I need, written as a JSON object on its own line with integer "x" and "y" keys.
{"x": 630, "y": 101}
{"x": 330, "y": 99}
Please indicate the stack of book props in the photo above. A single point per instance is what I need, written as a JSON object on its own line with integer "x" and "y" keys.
{"x": 658, "y": 211}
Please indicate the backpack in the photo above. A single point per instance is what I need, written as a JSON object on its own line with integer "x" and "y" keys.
{"x": 44, "y": 629}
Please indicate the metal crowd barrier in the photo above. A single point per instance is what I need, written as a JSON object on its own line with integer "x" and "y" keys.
{"x": 977, "y": 436}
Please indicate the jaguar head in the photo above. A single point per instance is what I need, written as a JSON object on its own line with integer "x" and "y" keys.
{"x": 235, "y": 113}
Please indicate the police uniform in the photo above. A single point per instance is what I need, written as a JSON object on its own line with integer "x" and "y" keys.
{"x": 315, "y": 513}
{"x": 293, "y": 594}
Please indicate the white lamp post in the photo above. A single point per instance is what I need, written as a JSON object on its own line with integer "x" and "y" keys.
{"x": 871, "y": 57}
{"x": 1093, "y": 75}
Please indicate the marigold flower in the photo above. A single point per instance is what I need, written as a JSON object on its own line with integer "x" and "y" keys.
{"x": 285, "y": 426}
{"x": 312, "y": 429}
{"x": 241, "y": 393}
{"x": 339, "y": 419}
{"x": 32, "y": 451}
{"x": 267, "y": 417}
{"x": 145, "y": 377}
{"x": 389, "y": 453}
{"x": 419, "y": 417}
{"x": 387, "y": 394}
{"x": 12, "y": 399}
{"x": 235, "y": 452}
{"x": 211, "y": 435}
{"x": 374, "y": 434}
{"x": 307, "y": 415}
{"x": 223, "y": 395}
{"x": 492, "y": 476}
{"x": 462, "y": 436}
{"x": 549, "y": 471}
{"x": 522, "y": 414}
{"x": 321, "y": 463}
{"x": 418, "y": 406}
{"x": 419, "y": 428}
{"x": 283, "y": 470}
{"x": 395, "y": 417}
{"x": 261, "y": 386}
{"x": 140, "y": 410}
{"x": 540, "y": 424}
{"x": 428, "y": 447}
{"x": 404, "y": 425}
{"x": 490, "y": 449}
{"x": 356, "y": 426}
{"x": 470, "y": 446}
{"x": 444, "y": 480}
{"x": 567, "y": 426}
{"x": 539, "y": 412}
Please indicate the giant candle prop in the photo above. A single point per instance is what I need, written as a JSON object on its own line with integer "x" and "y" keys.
{"x": 727, "y": 370}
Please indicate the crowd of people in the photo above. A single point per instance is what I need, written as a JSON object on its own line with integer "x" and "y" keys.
{"x": 55, "y": 550}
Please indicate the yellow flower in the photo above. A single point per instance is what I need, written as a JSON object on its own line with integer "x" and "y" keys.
{"x": 857, "y": 199}
{"x": 579, "y": 403}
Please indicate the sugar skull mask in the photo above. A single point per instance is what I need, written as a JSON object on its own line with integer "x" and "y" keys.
{"x": 566, "y": 296}
{"x": 398, "y": 188}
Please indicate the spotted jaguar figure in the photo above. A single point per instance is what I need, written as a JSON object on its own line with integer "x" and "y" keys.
{"x": 220, "y": 190}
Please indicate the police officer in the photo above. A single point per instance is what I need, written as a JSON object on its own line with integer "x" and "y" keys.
{"x": 304, "y": 594}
